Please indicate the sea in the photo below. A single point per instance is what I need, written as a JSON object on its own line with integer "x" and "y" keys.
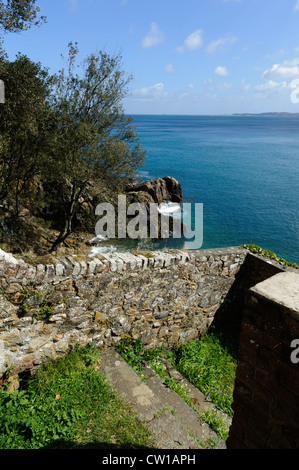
{"x": 242, "y": 169}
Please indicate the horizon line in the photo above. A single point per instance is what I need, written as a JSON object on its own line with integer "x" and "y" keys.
{"x": 273, "y": 113}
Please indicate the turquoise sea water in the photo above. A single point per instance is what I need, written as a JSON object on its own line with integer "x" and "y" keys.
{"x": 243, "y": 169}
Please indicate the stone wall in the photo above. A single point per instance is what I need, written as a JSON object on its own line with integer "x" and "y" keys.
{"x": 161, "y": 298}
{"x": 266, "y": 394}
{"x": 165, "y": 298}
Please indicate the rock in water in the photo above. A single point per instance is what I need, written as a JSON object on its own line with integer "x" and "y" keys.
{"x": 160, "y": 190}
{"x": 157, "y": 191}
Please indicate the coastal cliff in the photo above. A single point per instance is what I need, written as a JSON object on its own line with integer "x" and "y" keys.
{"x": 36, "y": 227}
{"x": 156, "y": 191}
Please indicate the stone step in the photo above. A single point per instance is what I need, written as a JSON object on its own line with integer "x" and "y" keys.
{"x": 174, "y": 424}
{"x": 189, "y": 419}
{"x": 200, "y": 402}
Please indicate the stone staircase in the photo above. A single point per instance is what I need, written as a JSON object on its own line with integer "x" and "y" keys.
{"x": 175, "y": 425}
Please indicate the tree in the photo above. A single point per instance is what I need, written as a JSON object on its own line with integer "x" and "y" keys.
{"x": 19, "y": 15}
{"x": 25, "y": 127}
{"x": 94, "y": 139}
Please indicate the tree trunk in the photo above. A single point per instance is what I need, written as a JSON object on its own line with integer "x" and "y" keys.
{"x": 68, "y": 225}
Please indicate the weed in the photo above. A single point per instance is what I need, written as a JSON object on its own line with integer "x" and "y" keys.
{"x": 209, "y": 366}
{"x": 37, "y": 298}
{"x": 26, "y": 293}
{"x": 216, "y": 422}
{"x": 269, "y": 254}
{"x": 45, "y": 311}
{"x": 136, "y": 354}
{"x": 146, "y": 254}
{"x": 69, "y": 404}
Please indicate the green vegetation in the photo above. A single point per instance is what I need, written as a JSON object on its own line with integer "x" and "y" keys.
{"x": 209, "y": 364}
{"x": 269, "y": 254}
{"x": 69, "y": 404}
{"x": 65, "y": 142}
{"x": 19, "y": 15}
{"x": 94, "y": 140}
{"x": 145, "y": 253}
{"x": 35, "y": 299}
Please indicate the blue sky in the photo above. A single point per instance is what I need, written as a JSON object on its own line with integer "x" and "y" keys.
{"x": 186, "y": 56}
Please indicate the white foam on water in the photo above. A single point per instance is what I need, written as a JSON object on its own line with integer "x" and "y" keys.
{"x": 98, "y": 238}
{"x": 95, "y": 250}
{"x": 167, "y": 208}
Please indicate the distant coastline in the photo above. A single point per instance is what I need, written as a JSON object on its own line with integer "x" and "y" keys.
{"x": 269, "y": 114}
{"x": 282, "y": 114}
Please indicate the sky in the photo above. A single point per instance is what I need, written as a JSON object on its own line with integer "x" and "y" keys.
{"x": 186, "y": 57}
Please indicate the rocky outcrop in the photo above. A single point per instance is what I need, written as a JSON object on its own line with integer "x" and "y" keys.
{"x": 159, "y": 190}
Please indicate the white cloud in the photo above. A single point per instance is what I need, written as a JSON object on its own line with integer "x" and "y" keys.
{"x": 169, "y": 68}
{"x": 153, "y": 92}
{"x": 225, "y": 86}
{"x": 192, "y": 42}
{"x": 219, "y": 43}
{"x": 222, "y": 71}
{"x": 297, "y": 6}
{"x": 267, "y": 86}
{"x": 283, "y": 71}
{"x": 154, "y": 37}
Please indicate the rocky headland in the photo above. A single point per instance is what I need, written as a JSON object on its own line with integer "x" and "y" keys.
{"x": 33, "y": 232}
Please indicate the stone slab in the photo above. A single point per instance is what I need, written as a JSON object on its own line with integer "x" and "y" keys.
{"x": 149, "y": 407}
{"x": 283, "y": 289}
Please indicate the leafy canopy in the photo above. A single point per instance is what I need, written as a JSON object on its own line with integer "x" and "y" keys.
{"x": 24, "y": 125}
{"x": 19, "y": 15}
{"x": 94, "y": 139}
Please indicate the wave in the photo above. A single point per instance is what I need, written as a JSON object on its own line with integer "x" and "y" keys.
{"x": 95, "y": 250}
{"x": 167, "y": 208}
{"x": 98, "y": 238}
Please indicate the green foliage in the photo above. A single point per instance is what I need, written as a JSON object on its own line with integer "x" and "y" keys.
{"x": 63, "y": 138}
{"x": 19, "y": 15}
{"x": 145, "y": 253}
{"x": 269, "y": 254}
{"x": 208, "y": 364}
{"x": 93, "y": 137}
{"x": 45, "y": 311}
{"x": 209, "y": 367}
{"x": 36, "y": 298}
{"x": 25, "y": 129}
{"x": 26, "y": 293}
{"x": 136, "y": 354}
{"x": 68, "y": 405}
{"x": 216, "y": 422}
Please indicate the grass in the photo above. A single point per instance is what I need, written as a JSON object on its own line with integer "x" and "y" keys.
{"x": 69, "y": 404}
{"x": 209, "y": 364}
{"x": 269, "y": 254}
{"x": 210, "y": 367}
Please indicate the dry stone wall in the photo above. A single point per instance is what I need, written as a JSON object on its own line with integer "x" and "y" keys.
{"x": 159, "y": 297}
{"x": 165, "y": 298}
